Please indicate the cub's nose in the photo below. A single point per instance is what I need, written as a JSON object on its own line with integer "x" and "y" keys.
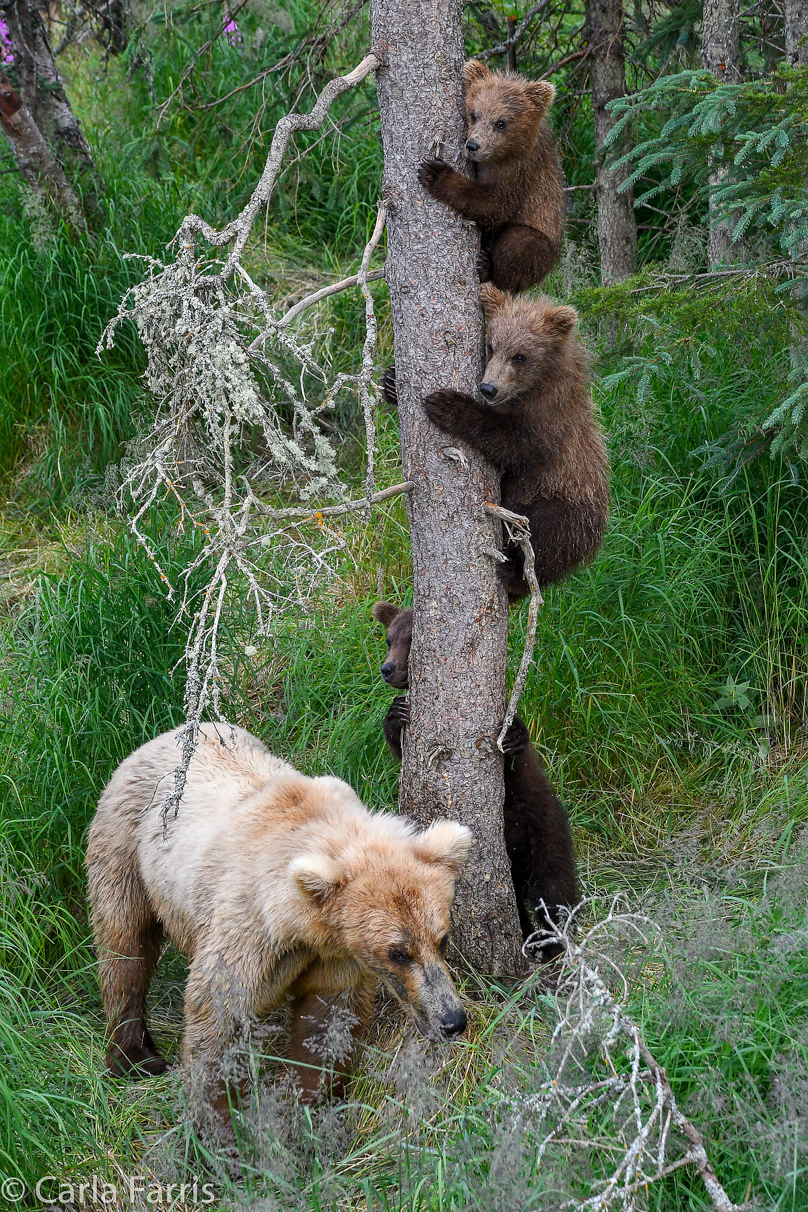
{"x": 453, "y": 1022}
{"x": 472, "y": 145}
{"x": 388, "y": 669}
{"x": 488, "y": 390}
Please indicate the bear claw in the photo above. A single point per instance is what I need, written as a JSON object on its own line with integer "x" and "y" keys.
{"x": 389, "y": 389}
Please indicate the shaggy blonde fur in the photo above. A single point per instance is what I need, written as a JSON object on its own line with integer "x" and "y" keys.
{"x": 272, "y": 884}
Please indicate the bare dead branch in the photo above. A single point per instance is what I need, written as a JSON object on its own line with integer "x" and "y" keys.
{"x": 372, "y": 276}
{"x": 502, "y": 48}
{"x": 518, "y": 528}
{"x": 605, "y": 1093}
{"x": 334, "y": 511}
{"x": 239, "y": 229}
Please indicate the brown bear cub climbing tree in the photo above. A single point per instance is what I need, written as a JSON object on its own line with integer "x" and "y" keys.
{"x": 537, "y": 832}
{"x": 516, "y": 194}
{"x": 536, "y": 423}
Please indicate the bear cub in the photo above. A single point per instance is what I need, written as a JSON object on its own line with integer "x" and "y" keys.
{"x": 516, "y": 194}
{"x": 536, "y": 423}
{"x": 537, "y": 832}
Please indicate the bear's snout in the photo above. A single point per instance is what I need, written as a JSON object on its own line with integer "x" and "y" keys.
{"x": 472, "y": 146}
{"x": 454, "y": 1022}
{"x": 489, "y": 390}
{"x": 388, "y": 670}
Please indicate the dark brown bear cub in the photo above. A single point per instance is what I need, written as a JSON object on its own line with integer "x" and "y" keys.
{"x": 537, "y": 832}
{"x": 517, "y": 192}
{"x": 536, "y": 423}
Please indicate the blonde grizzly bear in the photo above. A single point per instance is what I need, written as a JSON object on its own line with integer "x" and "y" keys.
{"x": 274, "y": 885}
{"x": 535, "y": 422}
{"x": 516, "y": 194}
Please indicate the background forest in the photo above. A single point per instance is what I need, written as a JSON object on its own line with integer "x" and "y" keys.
{"x": 668, "y": 693}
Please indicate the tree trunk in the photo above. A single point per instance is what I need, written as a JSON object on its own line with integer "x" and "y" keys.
{"x": 34, "y": 158}
{"x": 795, "y": 29}
{"x": 617, "y": 225}
{"x": 34, "y": 76}
{"x": 720, "y": 55}
{"x": 451, "y": 766}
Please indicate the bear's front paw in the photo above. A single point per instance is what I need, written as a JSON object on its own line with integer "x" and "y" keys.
{"x": 432, "y": 172}
{"x": 514, "y": 582}
{"x": 441, "y": 408}
{"x": 484, "y": 265}
{"x": 389, "y": 389}
{"x": 399, "y": 714}
{"x": 517, "y": 738}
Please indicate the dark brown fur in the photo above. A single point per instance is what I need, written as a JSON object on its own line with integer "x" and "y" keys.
{"x": 540, "y": 430}
{"x": 537, "y": 832}
{"x": 516, "y": 194}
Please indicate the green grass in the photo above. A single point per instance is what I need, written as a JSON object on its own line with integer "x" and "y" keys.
{"x": 693, "y": 803}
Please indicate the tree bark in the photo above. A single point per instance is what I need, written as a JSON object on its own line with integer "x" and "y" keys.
{"x": 451, "y": 766}
{"x": 34, "y": 158}
{"x": 617, "y": 225}
{"x": 795, "y": 29}
{"x": 720, "y": 55}
{"x": 35, "y": 78}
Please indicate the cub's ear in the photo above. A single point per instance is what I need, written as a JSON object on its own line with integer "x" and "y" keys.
{"x": 491, "y": 299}
{"x": 561, "y": 321}
{"x": 316, "y": 875}
{"x": 385, "y": 612}
{"x": 474, "y": 70}
{"x": 540, "y": 93}
{"x": 444, "y": 842}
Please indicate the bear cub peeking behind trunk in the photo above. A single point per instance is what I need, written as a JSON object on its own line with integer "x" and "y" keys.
{"x": 537, "y": 832}
{"x": 275, "y": 886}
{"x": 535, "y": 422}
{"x": 516, "y": 194}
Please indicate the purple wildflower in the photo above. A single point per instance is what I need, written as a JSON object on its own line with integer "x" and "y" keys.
{"x": 233, "y": 32}
{"x": 6, "y": 52}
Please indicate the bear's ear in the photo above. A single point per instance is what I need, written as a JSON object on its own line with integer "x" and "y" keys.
{"x": 491, "y": 299}
{"x": 540, "y": 93}
{"x": 316, "y": 875}
{"x": 474, "y": 70}
{"x": 385, "y": 612}
{"x": 444, "y": 842}
{"x": 561, "y": 321}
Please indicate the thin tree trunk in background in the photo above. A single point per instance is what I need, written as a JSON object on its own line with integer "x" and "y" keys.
{"x": 617, "y": 225}
{"x": 720, "y": 55}
{"x": 512, "y": 47}
{"x": 35, "y": 77}
{"x": 451, "y": 766}
{"x": 35, "y": 160}
{"x": 795, "y": 29}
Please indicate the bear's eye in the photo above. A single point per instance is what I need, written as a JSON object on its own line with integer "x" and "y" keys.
{"x": 397, "y": 955}
{"x": 518, "y": 358}
{"x": 500, "y": 124}
{"x": 473, "y": 117}
{"x": 489, "y": 352}
{"x": 443, "y": 944}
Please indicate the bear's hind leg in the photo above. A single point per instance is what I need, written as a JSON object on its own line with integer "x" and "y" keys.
{"x": 521, "y": 257}
{"x": 128, "y": 959}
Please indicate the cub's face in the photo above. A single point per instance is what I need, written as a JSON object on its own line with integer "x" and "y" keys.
{"x": 524, "y": 340}
{"x": 503, "y": 113}
{"x": 389, "y": 906}
{"x": 398, "y": 624}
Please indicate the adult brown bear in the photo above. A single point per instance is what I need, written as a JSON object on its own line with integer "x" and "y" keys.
{"x": 272, "y": 884}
